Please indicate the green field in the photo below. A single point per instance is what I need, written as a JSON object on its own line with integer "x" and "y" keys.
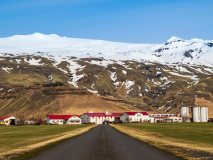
{"x": 195, "y": 132}
{"x": 20, "y": 137}
{"x": 185, "y": 140}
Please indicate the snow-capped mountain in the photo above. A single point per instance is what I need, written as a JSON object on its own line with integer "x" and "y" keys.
{"x": 175, "y": 50}
{"x": 43, "y": 74}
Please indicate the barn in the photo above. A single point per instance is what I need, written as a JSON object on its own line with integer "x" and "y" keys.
{"x": 129, "y": 117}
{"x": 8, "y": 120}
{"x": 63, "y": 119}
{"x": 100, "y": 118}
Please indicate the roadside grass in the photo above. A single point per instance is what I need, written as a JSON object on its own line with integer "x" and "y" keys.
{"x": 185, "y": 140}
{"x": 18, "y": 140}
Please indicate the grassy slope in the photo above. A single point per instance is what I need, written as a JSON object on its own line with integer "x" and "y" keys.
{"x": 182, "y": 139}
{"x": 19, "y": 139}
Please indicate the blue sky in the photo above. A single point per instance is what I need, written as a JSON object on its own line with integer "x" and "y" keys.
{"x": 133, "y": 21}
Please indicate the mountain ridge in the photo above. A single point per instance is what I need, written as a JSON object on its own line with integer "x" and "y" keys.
{"x": 175, "y": 50}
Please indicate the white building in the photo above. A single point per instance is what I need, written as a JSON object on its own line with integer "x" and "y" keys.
{"x": 99, "y": 118}
{"x": 63, "y": 119}
{"x": 161, "y": 115}
{"x": 8, "y": 120}
{"x": 129, "y": 117}
{"x": 168, "y": 119}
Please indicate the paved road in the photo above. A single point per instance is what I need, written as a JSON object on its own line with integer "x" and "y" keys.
{"x": 103, "y": 143}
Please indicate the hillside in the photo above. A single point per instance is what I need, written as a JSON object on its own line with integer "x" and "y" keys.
{"x": 39, "y": 101}
{"x": 53, "y": 78}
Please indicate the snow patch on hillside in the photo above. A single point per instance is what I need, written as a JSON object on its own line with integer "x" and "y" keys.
{"x": 209, "y": 70}
{"x": 124, "y": 72}
{"x": 113, "y": 76}
{"x": 129, "y": 85}
{"x": 6, "y": 69}
{"x": 33, "y": 61}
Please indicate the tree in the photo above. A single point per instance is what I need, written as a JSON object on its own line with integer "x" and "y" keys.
{"x": 20, "y": 119}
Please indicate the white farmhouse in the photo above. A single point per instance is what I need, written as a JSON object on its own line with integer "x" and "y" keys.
{"x": 8, "y": 120}
{"x": 129, "y": 117}
{"x": 100, "y": 118}
{"x": 63, "y": 119}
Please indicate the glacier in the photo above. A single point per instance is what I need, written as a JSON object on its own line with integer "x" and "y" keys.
{"x": 174, "y": 51}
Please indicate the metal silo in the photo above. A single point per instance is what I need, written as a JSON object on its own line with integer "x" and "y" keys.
{"x": 196, "y": 114}
{"x": 185, "y": 114}
{"x": 203, "y": 114}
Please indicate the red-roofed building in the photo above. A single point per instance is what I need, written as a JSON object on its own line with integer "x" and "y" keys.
{"x": 63, "y": 119}
{"x": 129, "y": 117}
{"x": 8, "y": 120}
{"x": 100, "y": 118}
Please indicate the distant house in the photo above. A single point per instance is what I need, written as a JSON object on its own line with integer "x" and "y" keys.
{"x": 63, "y": 119}
{"x": 8, "y": 120}
{"x": 100, "y": 118}
{"x": 129, "y": 117}
{"x": 168, "y": 119}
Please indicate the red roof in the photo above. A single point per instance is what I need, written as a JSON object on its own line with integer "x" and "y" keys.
{"x": 104, "y": 115}
{"x": 61, "y": 116}
{"x": 5, "y": 117}
{"x": 117, "y": 114}
{"x": 134, "y": 113}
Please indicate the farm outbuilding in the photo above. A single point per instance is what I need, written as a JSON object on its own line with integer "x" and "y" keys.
{"x": 161, "y": 115}
{"x": 129, "y": 117}
{"x": 99, "y": 118}
{"x": 168, "y": 119}
{"x": 8, "y": 120}
{"x": 63, "y": 119}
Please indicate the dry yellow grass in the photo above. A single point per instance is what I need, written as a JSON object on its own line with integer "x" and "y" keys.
{"x": 79, "y": 104}
{"x": 175, "y": 146}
